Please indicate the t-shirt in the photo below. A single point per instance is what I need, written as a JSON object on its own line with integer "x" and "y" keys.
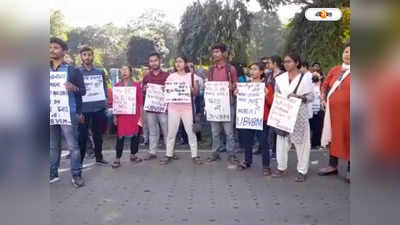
{"x": 175, "y": 77}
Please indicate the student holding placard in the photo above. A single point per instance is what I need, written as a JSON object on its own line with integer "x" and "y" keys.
{"x": 247, "y": 135}
{"x": 66, "y": 90}
{"x": 178, "y": 110}
{"x": 93, "y": 105}
{"x": 127, "y": 120}
{"x": 293, "y": 84}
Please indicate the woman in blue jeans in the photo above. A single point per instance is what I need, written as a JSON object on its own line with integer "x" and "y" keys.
{"x": 247, "y": 135}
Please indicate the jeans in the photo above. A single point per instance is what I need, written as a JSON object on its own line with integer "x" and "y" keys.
{"x": 247, "y": 139}
{"x": 70, "y": 133}
{"x": 97, "y": 122}
{"x": 217, "y": 142}
{"x": 155, "y": 121}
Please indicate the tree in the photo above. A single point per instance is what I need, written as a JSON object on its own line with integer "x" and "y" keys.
{"x": 203, "y": 25}
{"x": 58, "y": 27}
{"x": 319, "y": 41}
{"x": 139, "y": 49}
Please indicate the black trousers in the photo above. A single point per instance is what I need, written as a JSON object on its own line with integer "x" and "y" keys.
{"x": 96, "y": 121}
{"x": 134, "y": 144}
{"x": 334, "y": 161}
{"x": 247, "y": 141}
{"x": 316, "y": 125}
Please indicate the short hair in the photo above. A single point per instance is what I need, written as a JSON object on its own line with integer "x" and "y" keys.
{"x": 155, "y": 54}
{"x": 347, "y": 44}
{"x": 60, "y": 42}
{"x": 86, "y": 49}
{"x": 316, "y": 63}
{"x": 265, "y": 58}
{"x": 305, "y": 64}
{"x": 260, "y": 66}
{"x": 295, "y": 57}
{"x": 220, "y": 46}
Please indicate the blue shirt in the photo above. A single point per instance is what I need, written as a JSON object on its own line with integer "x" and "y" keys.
{"x": 98, "y": 105}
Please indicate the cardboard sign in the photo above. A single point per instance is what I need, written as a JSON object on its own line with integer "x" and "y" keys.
{"x": 94, "y": 88}
{"x": 154, "y": 101}
{"x": 283, "y": 114}
{"x": 124, "y": 100}
{"x": 217, "y": 101}
{"x": 59, "y": 100}
{"x": 177, "y": 92}
{"x": 250, "y": 106}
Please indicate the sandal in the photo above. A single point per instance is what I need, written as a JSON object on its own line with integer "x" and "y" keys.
{"x": 175, "y": 157}
{"x": 135, "y": 159}
{"x": 197, "y": 160}
{"x": 165, "y": 160}
{"x": 116, "y": 164}
{"x": 267, "y": 172}
{"x": 243, "y": 166}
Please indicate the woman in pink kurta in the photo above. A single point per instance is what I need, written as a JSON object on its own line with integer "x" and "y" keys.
{"x": 128, "y": 124}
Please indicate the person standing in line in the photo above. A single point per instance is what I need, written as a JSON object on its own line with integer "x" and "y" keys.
{"x": 295, "y": 84}
{"x": 155, "y": 120}
{"x": 128, "y": 125}
{"x": 75, "y": 88}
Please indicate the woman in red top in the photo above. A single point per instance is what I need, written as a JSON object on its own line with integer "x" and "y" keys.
{"x": 247, "y": 135}
{"x": 128, "y": 124}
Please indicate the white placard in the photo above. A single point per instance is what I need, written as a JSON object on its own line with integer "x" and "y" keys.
{"x": 217, "y": 102}
{"x": 283, "y": 114}
{"x": 94, "y": 88}
{"x": 177, "y": 92}
{"x": 59, "y": 100}
{"x": 124, "y": 100}
{"x": 250, "y": 106}
{"x": 154, "y": 101}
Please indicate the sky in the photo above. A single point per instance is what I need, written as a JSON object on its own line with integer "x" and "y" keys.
{"x": 120, "y": 12}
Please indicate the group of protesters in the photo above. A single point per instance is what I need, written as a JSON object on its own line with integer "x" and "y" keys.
{"x": 322, "y": 118}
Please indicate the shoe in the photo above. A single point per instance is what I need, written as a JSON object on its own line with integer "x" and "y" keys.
{"x": 267, "y": 172}
{"x": 278, "y": 173}
{"x": 197, "y": 160}
{"x": 243, "y": 166}
{"x": 165, "y": 160}
{"x": 327, "y": 171}
{"x": 175, "y": 157}
{"x": 214, "y": 157}
{"x": 149, "y": 156}
{"x": 78, "y": 181}
{"x": 102, "y": 162}
{"x": 116, "y": 164}
{"x": 54, "y": 179}
{"x": 300, "y": 177}
{"x": 347, "y": 179}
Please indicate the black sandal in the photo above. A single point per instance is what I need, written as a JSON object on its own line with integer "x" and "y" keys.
{"x": 116, "y": 164}
{"x": 243, "y": 166}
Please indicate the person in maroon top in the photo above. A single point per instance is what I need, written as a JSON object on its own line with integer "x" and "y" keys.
{"x": 155, "y": 120}
{"x": 222, "y": 71}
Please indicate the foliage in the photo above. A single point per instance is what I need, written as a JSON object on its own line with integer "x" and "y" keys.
{"x": 139, "y": 50}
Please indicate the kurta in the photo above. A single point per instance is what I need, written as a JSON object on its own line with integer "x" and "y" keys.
{"x": 339, "y": 103}
{"x": 127, "y": 125}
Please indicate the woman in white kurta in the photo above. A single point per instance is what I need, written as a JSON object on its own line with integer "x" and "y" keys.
{"x": 285, "y": 85}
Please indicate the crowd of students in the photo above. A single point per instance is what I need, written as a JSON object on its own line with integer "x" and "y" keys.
{"x": 287, "y": 76}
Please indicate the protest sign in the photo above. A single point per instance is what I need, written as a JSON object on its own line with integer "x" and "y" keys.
{"x": 124, "y": 100}
{"x": 59, "y": 100}
{"x": 177, "y": 92}
{"x": 94, "y": 88}
{"x": 154, "y": 101}
{"x": 250, "y": 106}
{"x": 283, "y": 114}
{"x": 217, "y": 101}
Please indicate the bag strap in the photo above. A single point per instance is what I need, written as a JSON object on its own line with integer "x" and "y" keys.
{"x": 211, "y": 74}
{"x": 298, "y": 84}
{"x": 191, "y": 95}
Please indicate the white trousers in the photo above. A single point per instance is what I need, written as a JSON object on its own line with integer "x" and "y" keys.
{"x": 174, "y": 118}
{"x": 283, "y": 145}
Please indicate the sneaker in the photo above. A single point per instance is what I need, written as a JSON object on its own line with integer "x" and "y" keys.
{"x": 102, "y": 162}
{"x": 54, "y": 179}
{"x": 300, "y": 177}
{"x": 165, "y": 160}
{"x": 149, "y": 156}
{"x": 214, "y": 157}
{"x": 78, "y": 181}
{"x": 278, "y": 173}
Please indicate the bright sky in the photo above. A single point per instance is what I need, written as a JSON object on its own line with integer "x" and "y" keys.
{"x": 119, "y": 12}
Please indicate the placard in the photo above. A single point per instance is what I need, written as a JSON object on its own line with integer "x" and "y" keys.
{"x": 124, "y": 100}
{"x": 59, "y": 100}
{"x": 250, "y": 106}
{"x": 154, "y": 101}
{"x": 94, "y": 88}
{"x": 283, "y": 114}
{"x": 217, "y": 102}
{"x": 177, "y": 92}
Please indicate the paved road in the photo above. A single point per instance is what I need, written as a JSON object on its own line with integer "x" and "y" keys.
{"x": 182, "y": 193}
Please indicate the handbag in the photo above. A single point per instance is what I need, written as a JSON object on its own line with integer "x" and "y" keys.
{"x": 278, "y": 131}
{"x": 196, "y": 127}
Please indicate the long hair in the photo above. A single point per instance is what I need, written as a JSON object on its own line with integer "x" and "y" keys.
{"x": 187, "y": 70}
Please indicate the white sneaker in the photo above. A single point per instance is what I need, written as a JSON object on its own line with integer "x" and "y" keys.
{"x": 54, "y": 179}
